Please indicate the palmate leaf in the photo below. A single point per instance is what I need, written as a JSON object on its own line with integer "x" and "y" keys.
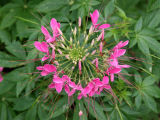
{"x": 51, "y": 5}
{"x": 147, "y": 93}
{"x": 5, "y": 37}
{"x": 17, "y": 49}
{"x": 95, "y": 109}
{"x": 31, "y": 113}
{"x": 21, "y": 104}
{"x": 7, "y": 60}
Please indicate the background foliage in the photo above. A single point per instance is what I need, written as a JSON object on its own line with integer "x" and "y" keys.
{"x": 24, "y": 94}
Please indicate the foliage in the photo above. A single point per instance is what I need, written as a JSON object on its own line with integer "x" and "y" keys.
{"x": 23, "y": 92}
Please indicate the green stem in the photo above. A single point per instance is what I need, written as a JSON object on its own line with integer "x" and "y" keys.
{"x": 119, "y": 112}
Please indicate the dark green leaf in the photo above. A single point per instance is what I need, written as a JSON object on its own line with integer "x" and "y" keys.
{"x": 108, "y": 10}
{"x": 22, "y": 104}
{"x": 138, "y": 25}
{"x": 17, "y": 49}
{"x": 50, "y": 5}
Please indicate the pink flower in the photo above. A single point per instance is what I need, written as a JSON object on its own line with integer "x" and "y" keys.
{"x": 1, "y": 78}
{"x": 46, "y": 69}
{"x": 120, "y": 45}
{"x": 43, "y": 47}
{"x": 94, "y": 18}
{"x": 55, "y": 26}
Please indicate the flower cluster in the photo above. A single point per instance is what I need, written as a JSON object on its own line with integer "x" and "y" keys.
{"x": 1, "y": 78}
{"x": 77, "y": 63}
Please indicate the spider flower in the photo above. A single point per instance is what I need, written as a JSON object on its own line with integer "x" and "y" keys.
{"x": 80, "y": 64}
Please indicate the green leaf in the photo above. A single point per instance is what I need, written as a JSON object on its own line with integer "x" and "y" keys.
{"x": 16, "y": 49}
{"x": 138, "y": 78}
{"x": 75, "y": 6}
{"x": 42, "y": 113}
{"x": 31, "y": 60}
{"x": 19, "y": 117}
{"x": 16, "y": 75}
{"x": 152, "y": 91}
{"x": 148, "y": 81}
{"x": 138, "y": 25}
{"x": 121, "y": 12}
{"x": 95, "y": 109}
{"x": 8, "y": 20}
{"x": 5, "y": 86}
{"x": 50, "y": 5}
{"x": 138, "y": 101}
{"x": 22, "y": 104}
{"x": 152, "y": 43}
{"x": 108, "y": 10}
{"x": 31, "y": 113}
{"x": 5, "y": 37}
{"x": 94, "y": 2}
{"x": 143, "y": 46}
{"x": 7, "y": 60}
{"x": 155, "y": 5}
{"x": 150, "y": 102}
{"x": 3, "y": 112}
{"x": 20, "y": 86}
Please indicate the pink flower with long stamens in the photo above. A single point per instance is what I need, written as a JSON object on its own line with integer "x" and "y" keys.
{"x": 100, "y": 64}
{"x": 94, "y": 18}
{"x": 55, "y": 26}
{"x": 1, "y": 78}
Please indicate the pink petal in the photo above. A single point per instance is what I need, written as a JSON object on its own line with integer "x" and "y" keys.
{"x": 52, "y": 85}
{"x": 45, "y": 32}
{"x": 66, "y": 88}
{"x": 113, "y": 62}
{"x": 105, "y": 80}
{"x": 104, "y": 26}
{"x": 39, "y": 68}
{"x": 80, "y": 96}
{"x": 107, "y": 87}
{"x": 53, "y": 24}
{"x": 45, "y": 58}
{"x": 49, "y": 68}
{"x": 94, "y": 17}
{"x": 44, "y": 73}
{"x": 115, "y": 70}
{"x": 1, "y": 69}
{"x": 43, "y": 47}
{"x": 66, "y": 78}
{"x": 119, "y": 52}
{"x": 124, "y": 66}
{"x": 57, "y": 79}
{"x": 112, "y": 77}
{"x": 72, "y": 92}
{"x": 72, "y": 84}
{"x": 58, "y": 87}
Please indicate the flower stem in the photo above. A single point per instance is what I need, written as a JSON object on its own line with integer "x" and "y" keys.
{"x": 119, "y": 112}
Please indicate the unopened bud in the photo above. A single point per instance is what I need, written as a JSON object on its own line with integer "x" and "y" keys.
{"x": 79, "y": 22}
